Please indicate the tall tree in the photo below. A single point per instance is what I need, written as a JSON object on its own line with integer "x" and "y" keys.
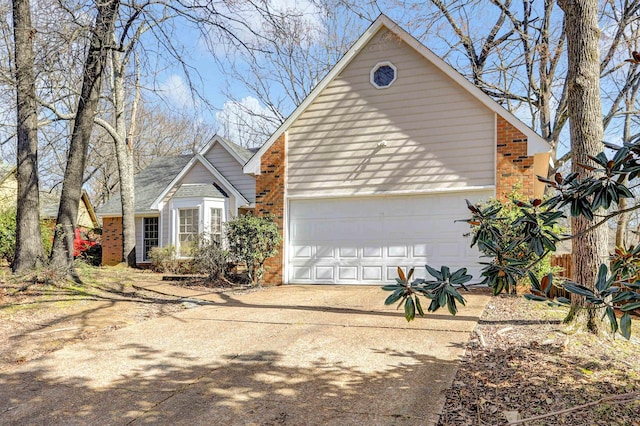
{"x": 589, "y": 248}
{"x": 292, "y": 53}
{"x": 29, "y": 251}
{"x": 100, "y": 45}
{"x": 123, "y": 144}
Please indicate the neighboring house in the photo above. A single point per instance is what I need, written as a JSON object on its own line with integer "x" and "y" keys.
{"x": 8, "y": 185}
{"x": 49, "y": 202}
{"x": 371, "y": 171}
{"x": 177, "y": 198}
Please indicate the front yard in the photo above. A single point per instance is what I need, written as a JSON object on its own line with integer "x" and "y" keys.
{"x": 37, "y": 318}
{"x": 520, "y": 361}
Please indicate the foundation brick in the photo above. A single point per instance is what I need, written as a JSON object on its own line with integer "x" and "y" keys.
{"x": 112, "y": 244}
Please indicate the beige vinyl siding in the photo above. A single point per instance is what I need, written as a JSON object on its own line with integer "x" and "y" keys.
{"x": 8, "y": 191}
{"x": 84, "y": 218}
{"x": 198, "y": 174}
{"x": 165, "y": 218}
{"x": 438, "y": 136}
{"x": 139, "y": 238}
{"x": 232, "y": 171}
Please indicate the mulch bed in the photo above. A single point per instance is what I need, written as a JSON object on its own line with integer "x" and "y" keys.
{"x": 523, "y": 362}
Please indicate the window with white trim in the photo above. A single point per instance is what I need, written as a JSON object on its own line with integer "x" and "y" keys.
{"x": 216, "y": 225}
{"x": 150, "y": 236}
{"x": 383, "y": 74}
{"x": 187, "y": 230}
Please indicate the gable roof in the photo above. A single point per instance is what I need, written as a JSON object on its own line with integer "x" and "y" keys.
{"x": 239, "y": 153}
{"x": 535, "y": 142}
{"x": 50, "y": 202}
{"x": 148, "y": 184}
{"x": 155, "y": 205}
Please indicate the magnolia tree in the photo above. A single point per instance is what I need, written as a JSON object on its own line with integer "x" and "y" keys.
{"x": 531, "y": 235}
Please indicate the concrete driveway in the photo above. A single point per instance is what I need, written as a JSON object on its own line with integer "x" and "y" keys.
{"x": 288, "y": 355}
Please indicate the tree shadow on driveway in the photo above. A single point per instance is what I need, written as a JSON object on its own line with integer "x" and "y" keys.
{"x": 259, "y": 387}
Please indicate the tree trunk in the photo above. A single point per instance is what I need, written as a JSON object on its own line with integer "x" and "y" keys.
{"x": 29, "y": 252}
{"x": 622, "y": 224}
{"x": 62, "y": 253}
{"x": 124, "y": 155}
{"x": 585, "y": 123}
{"x": 627, "y": 136}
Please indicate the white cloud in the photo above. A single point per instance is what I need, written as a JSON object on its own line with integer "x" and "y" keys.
{"x": 246, "y": 122}
{"x": 249, "y": 24}
{"x": 177, "y": 91}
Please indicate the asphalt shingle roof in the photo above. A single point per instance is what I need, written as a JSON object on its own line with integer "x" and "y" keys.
{"x": 198, "y": 191}
{"x": 242, "y": 152}
{"x": 149, "y": 184}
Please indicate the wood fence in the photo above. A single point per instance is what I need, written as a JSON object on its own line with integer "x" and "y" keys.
{"x": 563, "y": 261}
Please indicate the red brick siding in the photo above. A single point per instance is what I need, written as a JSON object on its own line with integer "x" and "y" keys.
{"x": 513, "y": 165}
{"x": 270, "y": 200}
{"x": 111, "y": 240}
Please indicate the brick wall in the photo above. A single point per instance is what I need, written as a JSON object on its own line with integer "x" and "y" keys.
{"x": 513, "y": 165}
{"x": 270, "y": 200}
{"x": 112, "y": 247}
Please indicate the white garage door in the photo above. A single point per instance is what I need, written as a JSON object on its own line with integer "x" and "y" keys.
{"x": 363, "y": 240}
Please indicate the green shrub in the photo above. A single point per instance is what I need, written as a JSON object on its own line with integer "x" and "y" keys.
{"x": 163, "y": 259}
{"x": 508, "y": 224}
{"x": 209, "y": 258}
{"x": 8, "y": 235}
{"x": 252, "y": 240}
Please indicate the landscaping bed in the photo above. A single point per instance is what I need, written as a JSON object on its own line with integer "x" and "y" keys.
{"x": 523, "y": 362}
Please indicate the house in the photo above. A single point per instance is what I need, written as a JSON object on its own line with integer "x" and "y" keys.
{"x": 49, "y": 202}
{"x": 8, "y": 185}
{"x": 177, "y": 198}
{"x": 371, "y": 171}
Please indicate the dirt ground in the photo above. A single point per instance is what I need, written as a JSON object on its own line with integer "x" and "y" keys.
{"x": 520, "y": 362}
{"x": 36, "y": 318}
{"x": 523, "y": 362}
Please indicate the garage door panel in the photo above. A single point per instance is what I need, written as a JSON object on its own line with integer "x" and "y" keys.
{"x": 301, "y": 273}
{"x": 364, "y": 240}
{"x": 397, "y": 251}
{"x": 324, "y": 252}
{"x": 348, "y": 252}
{"x": 372, "y": 273}
{"x": 301, "y": 252}
{"x": 348, "y": 273}
{"x": 372, "y": 252}
{"x": 324, "y": 273}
